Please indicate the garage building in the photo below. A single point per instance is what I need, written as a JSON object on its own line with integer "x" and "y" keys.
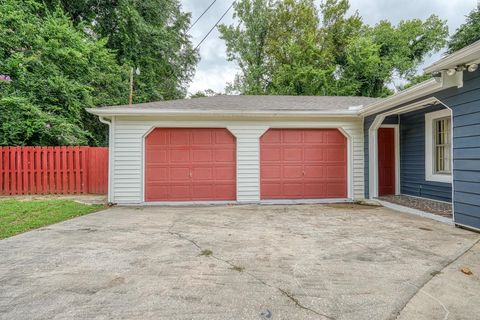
{"x": 237, "y": 149}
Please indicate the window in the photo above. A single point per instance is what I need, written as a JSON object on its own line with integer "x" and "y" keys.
{"x": 438, "y": 146}
{"x": 442, "y": 146}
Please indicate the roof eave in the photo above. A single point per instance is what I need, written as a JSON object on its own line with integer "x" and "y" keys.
{"x": 467, "y": 55}
{"x": 421, "y": 89}
{"x": 218, "y": 113}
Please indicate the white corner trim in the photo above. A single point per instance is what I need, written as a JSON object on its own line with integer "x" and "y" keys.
{"x": 110, "y": 123}
{"x": 373, "y": 156}
{"x": 429, "y": 174}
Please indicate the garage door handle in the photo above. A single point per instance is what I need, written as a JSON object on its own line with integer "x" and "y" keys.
{"x": 303, "y": 173}
{"x": 190, "y": 174}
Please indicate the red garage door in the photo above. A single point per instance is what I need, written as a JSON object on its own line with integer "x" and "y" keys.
{"x": 303, "y": 164}
{"x": 190, "y": 164}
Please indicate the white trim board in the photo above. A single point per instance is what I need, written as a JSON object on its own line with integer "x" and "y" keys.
{"x": 429, "y": 146}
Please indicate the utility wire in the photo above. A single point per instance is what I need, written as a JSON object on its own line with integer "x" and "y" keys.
{"x": 216, "y": 24}
{"x": 211, "y": 4}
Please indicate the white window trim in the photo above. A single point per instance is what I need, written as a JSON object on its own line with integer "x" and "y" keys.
{"x": 429, "y": 171}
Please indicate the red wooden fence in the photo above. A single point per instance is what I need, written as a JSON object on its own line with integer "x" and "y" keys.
{"x": 53, "y": 170}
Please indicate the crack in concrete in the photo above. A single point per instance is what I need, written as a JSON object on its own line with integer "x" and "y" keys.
{"x": 428, "y": 279}
{"x": 285, "y": 293}
{"x": 298, "y": 304}
{"x": 447, "y": 312}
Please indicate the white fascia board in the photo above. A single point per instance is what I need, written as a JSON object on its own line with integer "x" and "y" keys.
{"x": 469, "y": 54}
{"x": 222, "y": 113}
{"x": 416, "y": 92}
{"x": 412, "y": 93}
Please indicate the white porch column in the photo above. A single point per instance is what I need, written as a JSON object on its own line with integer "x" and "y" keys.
{"x": 248, "y": 161}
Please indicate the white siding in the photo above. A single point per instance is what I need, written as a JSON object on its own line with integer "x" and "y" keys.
{"x": 127, "y": 149}
{"x": 248, "y": 159}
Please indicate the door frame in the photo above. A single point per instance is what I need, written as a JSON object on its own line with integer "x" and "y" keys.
{"x": 349, "y": 146}
{"x": 396, "y": 130}
{"x": 184, "y": 126}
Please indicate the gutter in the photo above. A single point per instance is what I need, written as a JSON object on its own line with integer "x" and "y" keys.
{"x": 467, "y": 55}
{"x": 441, "y": 82}
{"x": 409, "y": 94}
{"x": 222, "y": 113}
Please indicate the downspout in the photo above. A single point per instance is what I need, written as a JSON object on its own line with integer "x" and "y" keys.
{"x": 110, "y": 157}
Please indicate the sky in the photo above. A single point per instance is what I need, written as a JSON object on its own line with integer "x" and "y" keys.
{"x": 214, "y": 71}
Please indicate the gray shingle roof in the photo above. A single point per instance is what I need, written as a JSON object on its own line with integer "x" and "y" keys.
{"x": 252, "y": 103}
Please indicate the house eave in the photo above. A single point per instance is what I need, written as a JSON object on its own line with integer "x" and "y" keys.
{"x": 463, "y": 57}
{"x": 218, "y": 113}
{"x": 441, "y": 82}
{"x": 417, "y": 91}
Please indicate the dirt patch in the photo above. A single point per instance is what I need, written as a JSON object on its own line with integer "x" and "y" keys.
{"x": 238, "y": 268}
{"x": 206, "y": 253}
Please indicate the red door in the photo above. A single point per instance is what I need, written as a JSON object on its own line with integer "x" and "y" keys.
{"x": 303, "y": 164}
{"x": 386, "y": 161}
{"x": 190, "y": 164}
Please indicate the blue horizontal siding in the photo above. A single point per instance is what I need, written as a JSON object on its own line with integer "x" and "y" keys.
{"x": 467, "y": 187}
{"x": 412, "y": 158}
{"x": 467, "y": 176}
{"x": 465, "y": 104}
{"x": 465, "y": 142}
{"x": 391, "y": 120}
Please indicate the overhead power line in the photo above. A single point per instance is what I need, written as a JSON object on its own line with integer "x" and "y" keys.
{"x": 195, "y": 22}
{"x": 216, "y": 24}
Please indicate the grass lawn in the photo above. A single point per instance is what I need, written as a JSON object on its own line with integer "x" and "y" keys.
{"x": 17, "y": 216}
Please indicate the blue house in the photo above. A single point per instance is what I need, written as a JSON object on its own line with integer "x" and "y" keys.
{"x": 432, "y": 133}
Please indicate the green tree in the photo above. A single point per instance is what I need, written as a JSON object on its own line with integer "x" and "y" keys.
{"x": 296, "y": 61}
{"x": 205, "y": 93}
{"x": 246, "y": 45}
{"x": 308, "y": 51}
{"x": 467, "y": 33}
{"x": 385, "y": 51}
{"x": 57, "y": 72}
{"x": 149, "y": 34}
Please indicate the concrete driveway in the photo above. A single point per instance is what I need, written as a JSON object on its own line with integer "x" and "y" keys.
{"x": 233, "y": 262}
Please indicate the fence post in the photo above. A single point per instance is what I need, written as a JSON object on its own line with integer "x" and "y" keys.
{"x": 86, "y": 169}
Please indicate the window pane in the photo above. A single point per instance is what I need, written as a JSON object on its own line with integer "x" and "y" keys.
{"x": 442, "y": 149}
